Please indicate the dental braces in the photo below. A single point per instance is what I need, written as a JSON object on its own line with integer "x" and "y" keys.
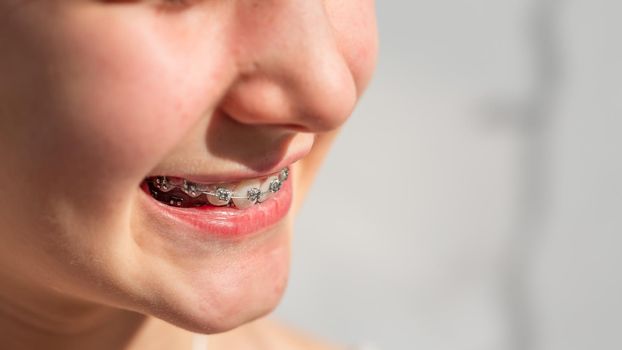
{"x": 224, "y": 194}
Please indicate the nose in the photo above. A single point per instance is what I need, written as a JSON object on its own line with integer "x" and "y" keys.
{"x": 290, "y": 70}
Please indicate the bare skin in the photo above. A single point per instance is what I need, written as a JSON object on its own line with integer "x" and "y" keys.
{"x": 95, "y": 96}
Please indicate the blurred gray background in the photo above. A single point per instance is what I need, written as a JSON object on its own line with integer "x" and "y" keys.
{"x": 473, "y": 201}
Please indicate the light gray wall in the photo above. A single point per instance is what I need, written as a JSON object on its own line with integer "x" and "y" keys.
{"x": 473, "y": 201}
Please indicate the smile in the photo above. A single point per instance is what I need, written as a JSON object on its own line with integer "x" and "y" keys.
{"x": 224, "y": 209}
{"x": 180, "y": 192}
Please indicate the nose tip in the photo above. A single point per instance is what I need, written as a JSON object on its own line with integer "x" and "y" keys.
{"x": 315, "y": 99}
{"x": 291, "y": 72}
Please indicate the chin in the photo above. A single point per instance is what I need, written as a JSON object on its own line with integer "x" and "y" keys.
{"x": 234, "y": 284}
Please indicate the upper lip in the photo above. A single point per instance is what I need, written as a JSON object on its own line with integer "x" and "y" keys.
{"x": 239, "y": 172}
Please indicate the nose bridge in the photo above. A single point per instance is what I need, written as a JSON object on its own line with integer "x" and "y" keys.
{"x": 291, "y": 71}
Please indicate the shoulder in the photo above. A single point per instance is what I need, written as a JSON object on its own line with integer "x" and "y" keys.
{"x": 270, "y": 334}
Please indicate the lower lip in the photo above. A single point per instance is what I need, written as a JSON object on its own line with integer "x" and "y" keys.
{"x": 226, "y": 222}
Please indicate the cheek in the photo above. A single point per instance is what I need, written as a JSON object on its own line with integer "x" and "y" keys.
{"x": 96, "y": 100}
{"x": 113, "y": 94}
{"x": 130, "y": 98}
{"x": 91, "y": 101}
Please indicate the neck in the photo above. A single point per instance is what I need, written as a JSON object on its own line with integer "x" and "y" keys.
{"x": 32, "y": 320}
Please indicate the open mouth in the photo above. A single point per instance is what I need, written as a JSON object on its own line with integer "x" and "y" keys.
{"x": 212, "y": 210}
{"x": 179, "y": 192}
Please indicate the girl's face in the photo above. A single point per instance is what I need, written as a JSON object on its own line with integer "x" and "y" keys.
{"x": 97, "y": 96}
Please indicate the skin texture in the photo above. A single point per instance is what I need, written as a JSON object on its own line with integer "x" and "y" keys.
{"x": 96, "y": 95}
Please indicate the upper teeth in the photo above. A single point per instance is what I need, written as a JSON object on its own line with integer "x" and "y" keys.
{"x": 246, "y": 193}
{"x": 243, "y": 194}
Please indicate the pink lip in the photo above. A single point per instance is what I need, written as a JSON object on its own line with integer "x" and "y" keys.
{"x": 233, "y": 175}
{"x": 225, "y": 222}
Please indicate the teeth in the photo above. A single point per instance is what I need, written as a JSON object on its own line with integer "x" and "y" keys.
{"x": 166, "y": 184}
{"x": 203, "y": 188}
{"x": 175, "y": 181}
{"x": 176, "y": 201}
{"x": 243, "y": 195}
{"x": 284, "y": 174}
{"x": 190, "y": 189}
{"x": 246, "y": 194}
{"x": 275, "y": 185}
{"x": 220, "y": 197}
{"x": 266, "y": 190}
{"x": 161, "y": 182}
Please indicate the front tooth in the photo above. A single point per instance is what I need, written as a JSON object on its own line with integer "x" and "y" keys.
{"x": 266, "y": 188}
{"x": 221, "y": 195}
{"x": 246, "y": 194}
